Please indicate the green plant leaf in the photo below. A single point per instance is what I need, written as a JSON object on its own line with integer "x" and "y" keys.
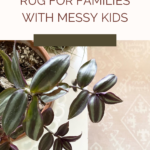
{"x": 63, "y": 86}
{"x": 60, "y": 91}
{"x": 57, "y": 144}
{"x": 96, "y": 108}
{"x": 7, "y": 66}
{"x": 52, "y": 90}
{"x": 111, "y": 98}
{"x": 48, "y": 116}
{"x": 105, "y": 84}
{"x": 5, "y": 146}
{"x": 72, "y": 138}
{"x": 46, "y": 142}
{"x": 13, "y": 147}
{"x": 4, "y": 97}
{"x": 33, "y": 123}
{"x": 63, "y": 78}
{"x": 50, "y": 74}
{"x": 86, "y": 73}
{"x": 78, "y": 104}
{"x": 62, "y": 130}
{"x": 74, "y": 83}
{"x": 17, "y": 132}
{"x": 46, "y": 99}
{"x": 66, "y": 145}
{"x": 18, "y": 78}
{"x": 14, "y": 111}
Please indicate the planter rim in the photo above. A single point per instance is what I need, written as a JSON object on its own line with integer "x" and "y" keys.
{"x": 40, "y": 50}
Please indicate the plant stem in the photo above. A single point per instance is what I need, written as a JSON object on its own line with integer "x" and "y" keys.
{"x": 48, "y": 130}
{"x": 72, "y": 86}
{"x": 41, "y": 100}
{"x": 51, "y": 132}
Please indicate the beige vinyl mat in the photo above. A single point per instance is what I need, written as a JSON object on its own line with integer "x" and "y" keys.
{"x": 125, "y": 126}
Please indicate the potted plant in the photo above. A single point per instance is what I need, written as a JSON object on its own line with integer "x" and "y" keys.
{"x": 29, "y": 58}
{"x": 21, "y": 115}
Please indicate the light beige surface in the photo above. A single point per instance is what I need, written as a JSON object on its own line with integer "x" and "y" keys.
{"x": 125, "y": 126}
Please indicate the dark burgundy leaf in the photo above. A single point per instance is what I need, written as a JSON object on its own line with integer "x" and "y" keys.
{"x": 4, "y": 98}
{"x": 66, "y": 145}
{"x": 14, "y": 111}
{"x": 86, "y": 73}
{"x": 49, "y": 74}
{"x": 33, "y": 122}
{"x": 5, "y": 146}
{"x": 17, "y": 132}
{"x": 63, "y": 86}
{"x": 57, "y": 144}
{"x": 111, "y": 98}
{"x": 13, "y": 147}
{"x": 22, "y": 118}
{"x": 72, "y": 138}
{"x": 96, "y": 108}
{"x": 48, "y": 116}
{"x": 62, "y": 130}
{"x": 58, "y": 92}
{"x": 63, "y": 78}
{"x": 105, "y": 84}
{"x": 46, "y": 141}
{"x": 18, "y": 78}
{"x": 7, "y": 66}
{"x": 74, "y": 83}
{"x": 79, "y": 104}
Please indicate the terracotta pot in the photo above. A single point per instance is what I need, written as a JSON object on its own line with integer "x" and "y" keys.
{"x": 45, "y": 56}
{"x": 38, "y": 49}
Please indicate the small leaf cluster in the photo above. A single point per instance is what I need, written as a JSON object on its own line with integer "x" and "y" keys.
{"x": 96, "y": 99}
{"x": 61, "y": 140}
{"x": 22, "y": 116}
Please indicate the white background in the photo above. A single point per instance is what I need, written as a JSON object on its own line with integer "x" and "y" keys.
{"x": 13, "y": 25}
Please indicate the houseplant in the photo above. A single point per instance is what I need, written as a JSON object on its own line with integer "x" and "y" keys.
{"x": 30, "y": 57}
{"x": 21, "y": 115}
{"x": 30, "y": 53}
